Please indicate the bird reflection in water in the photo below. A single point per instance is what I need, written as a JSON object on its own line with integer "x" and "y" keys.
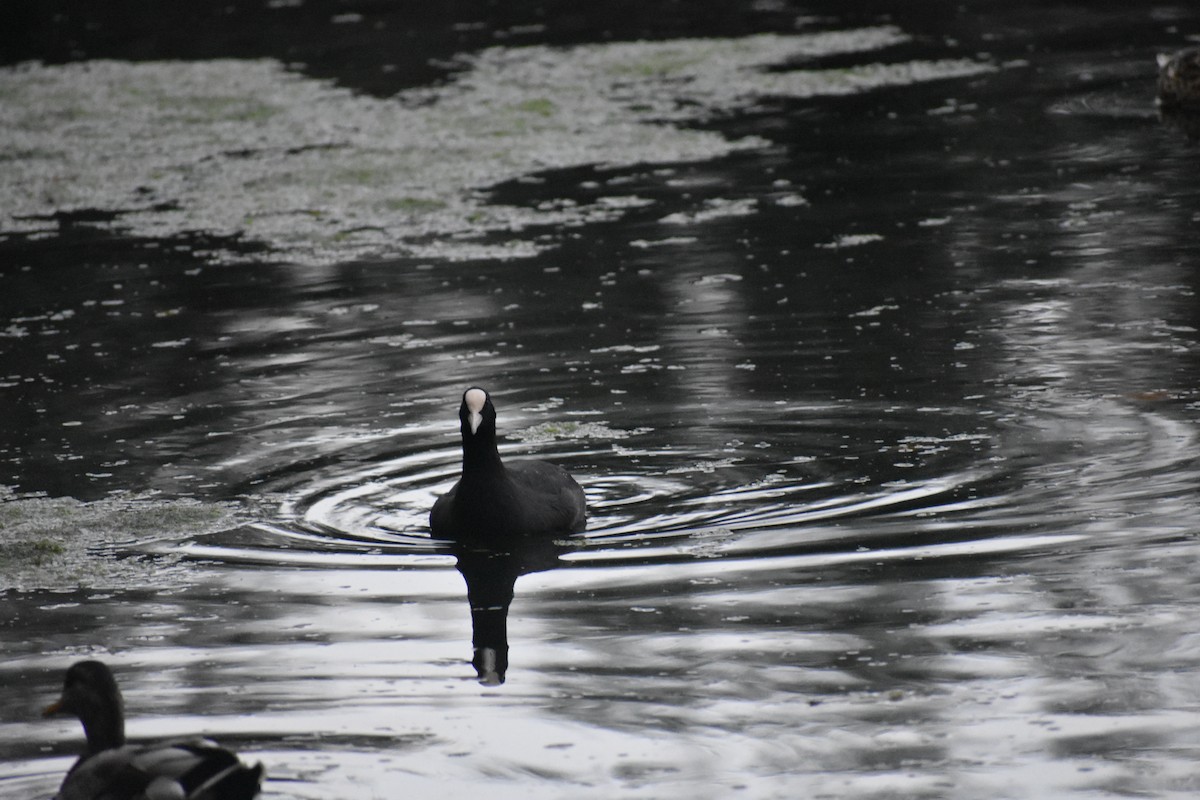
{"x": 504, "y": 520}
{"x": 491, "y": 575}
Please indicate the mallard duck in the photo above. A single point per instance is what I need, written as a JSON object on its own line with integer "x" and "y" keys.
{"x": 194, "y": 769}
{"x": 494, "y": 502}
{"x": 1179, "y": 80}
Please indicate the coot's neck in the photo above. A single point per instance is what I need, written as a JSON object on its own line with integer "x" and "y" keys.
{"x": 480, "y": 455}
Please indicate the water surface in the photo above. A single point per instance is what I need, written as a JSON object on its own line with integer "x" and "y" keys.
{"x": 871, "y": 336}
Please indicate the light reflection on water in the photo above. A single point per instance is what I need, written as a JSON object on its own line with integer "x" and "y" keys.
{"x": 878, "y": 637}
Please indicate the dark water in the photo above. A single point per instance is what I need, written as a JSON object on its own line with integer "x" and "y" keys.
{"x": 887, "y": 413}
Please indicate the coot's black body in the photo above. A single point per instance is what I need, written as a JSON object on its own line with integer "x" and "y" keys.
{"x": 493, "y": 503}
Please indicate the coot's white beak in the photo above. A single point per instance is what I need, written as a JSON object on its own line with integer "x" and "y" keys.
{"x": 475, "y": 398}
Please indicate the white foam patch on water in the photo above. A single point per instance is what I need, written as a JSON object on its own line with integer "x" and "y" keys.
{"x": 62, "y": 544}
{"x": 320, "y": 174}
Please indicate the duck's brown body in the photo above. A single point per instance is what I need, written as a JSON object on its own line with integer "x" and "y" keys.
{"x": 110, "y": 769}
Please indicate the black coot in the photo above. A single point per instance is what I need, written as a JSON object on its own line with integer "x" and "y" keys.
{"x": 495, "y": 502}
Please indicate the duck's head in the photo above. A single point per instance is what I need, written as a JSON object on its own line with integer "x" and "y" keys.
{"x": 1179, "y": 80}
{"x": 477, "y": 414}
{"x": 90, "y": 693}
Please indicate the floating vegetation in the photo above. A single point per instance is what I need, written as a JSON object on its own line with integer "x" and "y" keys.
{"x": 250, "y": 149}
{"x": 570, "y": 429}
{"x": 60, "y": 543}
{"x": 851, "y": 240}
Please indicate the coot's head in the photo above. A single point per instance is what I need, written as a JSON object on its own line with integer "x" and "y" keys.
{"x": 477, "y": 413}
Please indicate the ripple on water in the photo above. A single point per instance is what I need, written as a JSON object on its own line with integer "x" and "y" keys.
{"x": 1023, "y": 484}
{"x": 701, "y": 564}
{"x": 646, "y": 504}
